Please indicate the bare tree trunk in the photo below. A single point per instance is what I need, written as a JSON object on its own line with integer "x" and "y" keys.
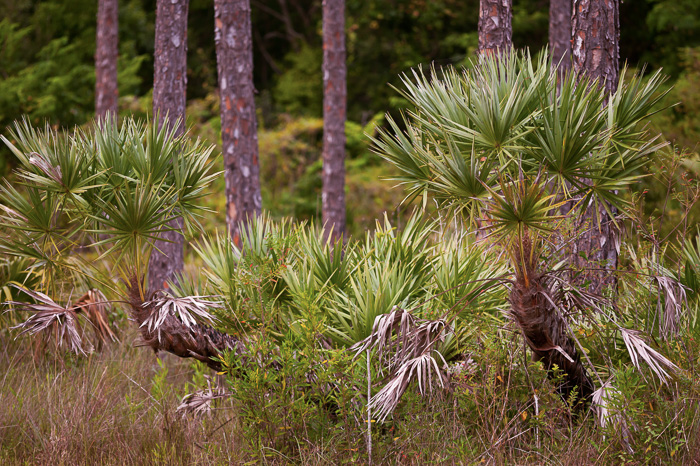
{"x": 495, "y": 28}
{"x": 334, "y": 108}
{"x": 595, "y": 28}
{"x": 106, "y": 53}
{"x": 239, "y": 132}
{"x": 169, "y": 99}
{"x": 560, "y": 33}
{"x": 596, "y": 52}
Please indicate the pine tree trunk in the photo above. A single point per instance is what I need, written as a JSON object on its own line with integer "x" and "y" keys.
{"x": 106, "y": 54}
{"x": 495, "y": 28}
{"x": 169, "y": 99}
{"x": 560, "y": 33}
{"x": 334, "y": 108}
{"x": 596, "y": 40}
{"x": 596, "y": 52}
{"x": 239, "y": 132}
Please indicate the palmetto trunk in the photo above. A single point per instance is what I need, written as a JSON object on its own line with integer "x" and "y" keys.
{"x": 334, "y": 107}
{"x": 495, "y": 26}
{"x": 106, "y": 53}
{"x": 234, "y": 58}
{"x": 196, "y": 341}
{"x": 169, "y": 92}
{"x": 596, "y": 52}
{"x": 543, "y": 327}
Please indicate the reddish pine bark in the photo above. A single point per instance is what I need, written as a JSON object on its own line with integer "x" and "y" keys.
{"x": 495, "y": 28}
{"x": 106, "y": 53}
{"x": 596, "y": 52}
{"x": 560, "y": 32}
{"x": 334, "y": 108}
{"x": 239, "y": 132}
{"x": 169, "y": 87}
{"x": 596, "y": 40}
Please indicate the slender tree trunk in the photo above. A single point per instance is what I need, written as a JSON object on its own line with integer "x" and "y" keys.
{"x": 595, "y": 28}
{"x": 334, "y": 107}
{"x": 169, "y": 99}
{"x": 239, "y": 132}
{"x": 495, "y": 28}
{"x": 106, "y": 53}
{"x": 596, "y": 52}
{"x": 560, "y": 33}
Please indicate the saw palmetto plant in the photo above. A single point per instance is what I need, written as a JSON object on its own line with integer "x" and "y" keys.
{"x": 521, "y": 153}
{"x": 84, "y": 211}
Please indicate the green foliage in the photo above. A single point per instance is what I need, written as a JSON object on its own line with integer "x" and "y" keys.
{"x": 112, "y": 187}
{"x": 291, "y": 279}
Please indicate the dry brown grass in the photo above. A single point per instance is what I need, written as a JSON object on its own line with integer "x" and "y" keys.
{"x": 118, "y": 407}
{"x": 109, "y": 408}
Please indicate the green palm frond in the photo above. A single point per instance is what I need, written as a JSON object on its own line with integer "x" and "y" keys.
{"x": 114, "y": 186}
{"x": 511, "y": 114}
{"x": 519, "y": 206}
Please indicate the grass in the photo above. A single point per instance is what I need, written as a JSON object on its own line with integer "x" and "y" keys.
{"x": 119, "y": 407}
{"x": 114, "y": 407}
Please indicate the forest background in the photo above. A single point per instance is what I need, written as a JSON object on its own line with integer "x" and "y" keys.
{"x": 47, "y": 69}
{"x": 119, "y": 403}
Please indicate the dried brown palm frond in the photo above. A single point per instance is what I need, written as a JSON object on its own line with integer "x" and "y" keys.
{"x": 50, "y": 318}
{"x": 165, "y": 331}
{"x": 190, "y": 310}
{"x": 406, "y": 345}
{"x": 94, "y": 305}
{"x": 200, "y": 403}
{"x": 422, "y": 368}
{"x": 603, "y": 401}
{"x": 639, "y": 350}
{"x": 671, "y": 306}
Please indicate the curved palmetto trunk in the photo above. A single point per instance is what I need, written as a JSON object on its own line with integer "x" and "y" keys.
{"x": 185, "y": 338}
{"x": 544, "y": 329}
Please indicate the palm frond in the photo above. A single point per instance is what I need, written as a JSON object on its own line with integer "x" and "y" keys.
{"x": 640, "y": 351}
{"x": 50, "y": 318}
{"x": 189, "y": 310}
{"x": 200, "y": 403}
{"x": 406, "y": 348}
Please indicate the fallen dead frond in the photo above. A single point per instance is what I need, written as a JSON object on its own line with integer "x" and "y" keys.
{"x": 94, "y": 305}
{"x": 671, "y": 306}
{"x": 639, "y": 350}
{"x": 406, "y": 346}
{"x": 190, "y": 310}
{"x": 50, "y": 318}
{"x": 606, "y": 413}
{"x": 422, "y": 368}
{"x": 200, "y": 403}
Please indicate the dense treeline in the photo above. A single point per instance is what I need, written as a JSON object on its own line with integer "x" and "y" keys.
{"x": 48, "y": 50}
{"x": 48, "y": 73}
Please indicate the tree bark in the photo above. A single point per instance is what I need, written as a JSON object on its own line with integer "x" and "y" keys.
{"x": 334, "y": 110}
{"x": 596, "y": 52}
{"x": 106, "y": 54}
{"x": 560, "y": 33}
{"x": 595, "y": 28}
{"x": 169, "y": 99}
{"x": 495, "y": 26}
{"x": 239, "y": 132}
